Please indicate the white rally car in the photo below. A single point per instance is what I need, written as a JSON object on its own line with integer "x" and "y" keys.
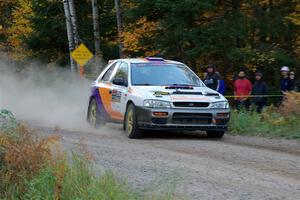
{"x": 156, "y": 94}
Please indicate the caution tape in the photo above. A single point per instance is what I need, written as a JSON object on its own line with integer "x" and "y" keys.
{"x": 255, "y": 96}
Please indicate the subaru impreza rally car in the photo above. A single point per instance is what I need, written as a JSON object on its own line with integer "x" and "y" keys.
{"x": 156, "y": 94}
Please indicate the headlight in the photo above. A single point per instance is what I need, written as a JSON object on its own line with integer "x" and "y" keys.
{"x": 221, "y": 104}
{"x": 156, "y": 104}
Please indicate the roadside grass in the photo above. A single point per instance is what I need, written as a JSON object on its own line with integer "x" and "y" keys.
{"x": 76, "y": 181}
{"x": 282, "y": 121}
{"x": 32, "y": 167}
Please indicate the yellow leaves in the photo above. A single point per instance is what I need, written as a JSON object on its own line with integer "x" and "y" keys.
{"x": 151, "y": 52}
{"x": 134, "y": 33}
{"x": 6, "y": 2}
{"x": 128, "y": 4}
{"x": 20, "y": 28}
{"x": 289, "y": 108}
{"x": 3, "y": 140}
{"x": 296, "y": 46}
{"x": 295, "y": 16}
{"x": 291, "y": 104}
{"x": 251, "y": 67}
{"x": 259, "y": 59}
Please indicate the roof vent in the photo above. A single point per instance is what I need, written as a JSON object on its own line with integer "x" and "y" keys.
{"x": 154, "y": 59}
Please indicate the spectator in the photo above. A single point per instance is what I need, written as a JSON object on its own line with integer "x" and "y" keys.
{"x": 294, "y": 84}
{"x": 222, "y": 85}
{"x": 259, "y": 88}
{"x": 204, "y": 75}
{"x": 285, "y": 84}
{"x": 242, "y": 89}
{"x": 211, "y": 79}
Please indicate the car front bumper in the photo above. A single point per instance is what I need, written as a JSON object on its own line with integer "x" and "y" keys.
{"x": 183, "y": 119}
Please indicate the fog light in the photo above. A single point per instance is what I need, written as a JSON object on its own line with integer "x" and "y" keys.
{"x": 222, "y": 114}
{"x": 160, "y": 114}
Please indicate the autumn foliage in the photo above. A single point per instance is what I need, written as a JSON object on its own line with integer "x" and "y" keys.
{"x": 291, "y": 105}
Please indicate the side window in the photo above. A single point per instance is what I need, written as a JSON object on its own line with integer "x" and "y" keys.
{"x": 108, "y": 73}
{"x": 122, "y": 72}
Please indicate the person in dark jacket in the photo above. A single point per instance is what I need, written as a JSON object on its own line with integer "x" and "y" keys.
{"x": 294, "y": 84}
{"x": 285, "y": 84}
{"x": 222, "y": 84}
{"x": 259, "y": 88}
{"x": 211, "y": 79}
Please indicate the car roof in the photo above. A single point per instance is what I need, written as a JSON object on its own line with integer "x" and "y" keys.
{"x": 145, "y": 60}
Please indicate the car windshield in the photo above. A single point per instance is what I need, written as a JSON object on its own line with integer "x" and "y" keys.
{"x": 163, "y": 74}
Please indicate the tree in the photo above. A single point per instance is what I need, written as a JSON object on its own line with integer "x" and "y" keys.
{"x": 96, "y": 27}
{"x": 98, "y": 53}
{"x": 119, "y": 25}
{"x": 74, "y": 22}
{"x": 48, "y": 40}
{"x": 69, "y": 33}
{"x": 135, "y": 34}
{"x": 19, "y": 30}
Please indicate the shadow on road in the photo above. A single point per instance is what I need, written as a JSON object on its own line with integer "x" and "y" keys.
{"x": 192, "y": 135}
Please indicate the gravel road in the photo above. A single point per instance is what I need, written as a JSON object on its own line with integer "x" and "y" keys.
{"x": 235, "y": 167}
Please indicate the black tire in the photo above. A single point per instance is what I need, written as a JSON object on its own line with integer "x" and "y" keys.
{"x": 94, "y": 117}
{"x": 215, "y": 134}
{"x": 131, "y": 126}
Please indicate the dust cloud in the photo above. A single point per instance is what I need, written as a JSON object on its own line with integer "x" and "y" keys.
{"x": 45, "y": 96}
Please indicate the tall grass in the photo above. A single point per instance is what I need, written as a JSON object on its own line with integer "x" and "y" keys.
{"x": 282, "y": 121}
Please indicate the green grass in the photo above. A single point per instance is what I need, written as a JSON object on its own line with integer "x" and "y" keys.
{"x": 268, "y": 124}
{"x": 77, "y": 182}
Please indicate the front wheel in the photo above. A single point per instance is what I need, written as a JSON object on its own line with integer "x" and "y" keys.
{"x": 215, "y": 134}
{"x": 131, "y": 127}
{"x": 94, "y": 117}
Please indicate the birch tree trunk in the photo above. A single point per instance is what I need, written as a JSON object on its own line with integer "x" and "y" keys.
{"x": 74, "y": 22}
{"x": 96, "y": 27}
{"x": 69, "y": 34}
{"x": 119, "y": 24}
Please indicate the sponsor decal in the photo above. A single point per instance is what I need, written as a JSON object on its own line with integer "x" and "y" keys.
{"x": 116, "y": 96}
{"x": 161, "y": 93}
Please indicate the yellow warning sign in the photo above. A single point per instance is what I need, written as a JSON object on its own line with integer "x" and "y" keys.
{"x": 82, "y": 55}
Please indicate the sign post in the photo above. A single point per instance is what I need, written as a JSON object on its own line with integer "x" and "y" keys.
{"x": 81, "y": 55}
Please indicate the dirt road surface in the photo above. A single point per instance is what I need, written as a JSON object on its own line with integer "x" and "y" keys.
{"x": 235, "y": 167}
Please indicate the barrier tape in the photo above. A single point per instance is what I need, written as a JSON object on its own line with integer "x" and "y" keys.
{"x": 255, "y": 96}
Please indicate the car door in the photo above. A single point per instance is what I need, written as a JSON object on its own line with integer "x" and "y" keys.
{"x": 119, "y": 90}
{"x": 105, "y": 88}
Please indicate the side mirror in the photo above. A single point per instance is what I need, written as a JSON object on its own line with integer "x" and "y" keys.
{"x": 119, "y": 81}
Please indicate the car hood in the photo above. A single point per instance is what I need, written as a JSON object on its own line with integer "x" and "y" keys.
{"x": 178, "y": 94}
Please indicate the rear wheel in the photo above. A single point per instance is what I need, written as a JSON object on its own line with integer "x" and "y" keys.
{"x": 131, "y": 127}
{"x": 94, "y": 117}
{"x": 215, "y": 134}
